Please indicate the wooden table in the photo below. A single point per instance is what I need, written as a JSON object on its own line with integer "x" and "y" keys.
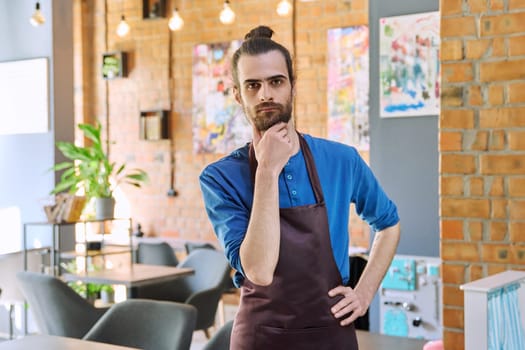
{"x": 51, "y": 342}
{"x": 376, "y": 341}
{"x": 131, "y": 276}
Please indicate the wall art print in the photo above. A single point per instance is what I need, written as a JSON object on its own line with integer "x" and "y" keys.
{"x": 219, "y": 125}
{"x": 348, "y": 86}
{"x": 409, "y": 67}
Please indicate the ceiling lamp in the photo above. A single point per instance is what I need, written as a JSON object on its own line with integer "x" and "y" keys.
{"x": 37, "y": 18}
{"x": 227, "y": 15}
{"x": 123, "y": 27}
{"x": 284, "y": 8}
{"x": 176, "y": 22}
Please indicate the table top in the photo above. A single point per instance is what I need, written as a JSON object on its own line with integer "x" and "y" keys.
{"x": 51, "y": 342}
{"x": 377, "y": 341}
{"x": 134, "y": 275}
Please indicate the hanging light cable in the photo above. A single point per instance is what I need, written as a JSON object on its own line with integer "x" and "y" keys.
{"x": 284, "y": 8}
{"x": 37, "y": 18}
{"x": 176, "y": 22}
{"x": 227, "y": 15}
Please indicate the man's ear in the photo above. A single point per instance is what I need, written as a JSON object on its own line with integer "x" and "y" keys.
{"x": 237, "y": 95}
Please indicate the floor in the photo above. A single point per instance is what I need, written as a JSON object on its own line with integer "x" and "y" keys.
{"x": 198, "y": 341}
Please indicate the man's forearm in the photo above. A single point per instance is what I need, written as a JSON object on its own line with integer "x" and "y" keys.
{"x": 260, "y": 248}
{"x": 381, "y": 254}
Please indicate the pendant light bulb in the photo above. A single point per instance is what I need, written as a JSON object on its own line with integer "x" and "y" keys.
{"x": 123, "y": 27}
{"x": 227, "y": 15}
{"x": 284, "y": 8}
{"x": 37, "y": 18}
{"x": 176, "y": 22}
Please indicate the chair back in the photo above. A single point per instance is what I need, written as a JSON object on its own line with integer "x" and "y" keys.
{"x": 221, "y": 339}
{"x": 191, "y": 246}
{"x": 57, "y": 308}
{"x": 211, "y": 270}
{"x": 156, "y": 254}
{"x": 146, "y": 324}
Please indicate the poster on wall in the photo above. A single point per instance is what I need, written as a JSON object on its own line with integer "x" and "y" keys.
{"x": 348, "y": 86}
{"x": 24, "y": 96}
{"x": 219, "y": 125}
{"x": 409, "y": 65}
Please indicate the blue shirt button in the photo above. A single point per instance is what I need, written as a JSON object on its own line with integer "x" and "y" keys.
{"x": 294, "y": 193}
{"x": 289, "y": 177}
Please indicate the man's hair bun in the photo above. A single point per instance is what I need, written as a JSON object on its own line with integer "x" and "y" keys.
{"x": 259, "y": 32}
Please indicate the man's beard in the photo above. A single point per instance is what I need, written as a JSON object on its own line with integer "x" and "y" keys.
{"x": 265, "y": 120}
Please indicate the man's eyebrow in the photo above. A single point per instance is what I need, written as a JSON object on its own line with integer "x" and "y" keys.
{"x": 273, "y": 77}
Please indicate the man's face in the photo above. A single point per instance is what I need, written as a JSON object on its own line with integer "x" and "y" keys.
{"x": 264, "y": 91}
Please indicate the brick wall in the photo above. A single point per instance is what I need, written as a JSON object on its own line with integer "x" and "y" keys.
{"x": 482, "y": 152}
{"x": 117, "y": 103}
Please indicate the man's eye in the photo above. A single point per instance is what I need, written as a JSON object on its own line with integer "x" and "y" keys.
{"x": 277, "y": 82}
{"x": 252, "y": 86}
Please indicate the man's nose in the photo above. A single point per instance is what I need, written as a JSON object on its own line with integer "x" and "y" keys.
{"x": 265, "y": 93}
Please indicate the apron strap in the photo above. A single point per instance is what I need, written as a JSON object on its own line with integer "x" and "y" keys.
{"x": 310, "y": 167}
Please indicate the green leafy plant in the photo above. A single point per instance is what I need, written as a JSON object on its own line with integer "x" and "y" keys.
{"x": 90, "y": 291}
{"x": 90, "y": 168}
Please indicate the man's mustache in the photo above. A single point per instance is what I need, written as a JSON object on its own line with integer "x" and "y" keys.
{"x": 265, "y": 105}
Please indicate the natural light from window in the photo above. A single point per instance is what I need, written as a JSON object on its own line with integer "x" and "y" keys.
{"x": 11, "y": 234}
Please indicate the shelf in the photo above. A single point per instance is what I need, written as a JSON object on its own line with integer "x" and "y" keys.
{"x": 154, "y": 125}
{"x": 58, "y": 252}
{"x": 152, "y": 9}
{"x": 114, "y": 65}
{"x": 107, "y": 250}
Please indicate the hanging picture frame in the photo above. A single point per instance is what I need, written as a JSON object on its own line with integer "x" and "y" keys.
{"x": 348, "y": 86}
{"x": 409, "y": 67}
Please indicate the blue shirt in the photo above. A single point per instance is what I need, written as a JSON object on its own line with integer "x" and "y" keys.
{"x": 345, "y": 178}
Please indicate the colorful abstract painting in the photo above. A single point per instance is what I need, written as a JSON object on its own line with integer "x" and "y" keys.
{"x": 409, "y": 65}
{"x": 348, "y": 86}
{"x": 219, "y": 125}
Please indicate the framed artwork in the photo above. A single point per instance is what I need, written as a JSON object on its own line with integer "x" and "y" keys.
{"x": 219, "y": 124}
{"x": 409, "y": 67}
{"x": 348, "y": 86}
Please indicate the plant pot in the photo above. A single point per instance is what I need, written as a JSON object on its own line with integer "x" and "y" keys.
{"x": 104, "y": 208}
{"x": 107, "y": 296}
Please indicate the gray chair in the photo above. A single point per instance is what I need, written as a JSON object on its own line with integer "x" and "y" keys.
{"x": 191, "y": 246}
{"x": 221, "y": 339}
{"x": 146, "y": 324}
{"x": 203, "y": 289}
{"x": 229, "y": 287}
{"x": 156, "y": 254}
{"x": 57, "y": 308}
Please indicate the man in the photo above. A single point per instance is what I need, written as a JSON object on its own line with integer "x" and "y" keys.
{"x": 280, "y": 209}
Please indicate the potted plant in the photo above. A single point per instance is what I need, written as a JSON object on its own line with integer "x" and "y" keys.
{"x": 107, "y": 294}
{"x": 90, "y": 169}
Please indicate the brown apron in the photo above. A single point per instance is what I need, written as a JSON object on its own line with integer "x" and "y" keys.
{"x": 293, "y": 313}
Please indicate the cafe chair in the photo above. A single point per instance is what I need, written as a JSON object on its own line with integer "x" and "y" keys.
{"x": 57, "y": 308}
{"x": 221, "y": 339}
{"x": 191, "y": 246}
{"x": 146, "y": 324}
{"x": 203, "y": 289}
{"x": 156, "y": 254}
